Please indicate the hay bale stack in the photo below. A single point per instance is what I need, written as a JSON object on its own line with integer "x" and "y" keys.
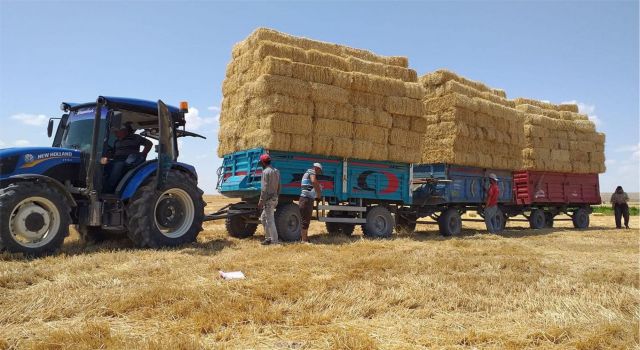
{"x": 295, "y": 94}
{"x": 558, "y": 138}
{"x": 469, "y": 123}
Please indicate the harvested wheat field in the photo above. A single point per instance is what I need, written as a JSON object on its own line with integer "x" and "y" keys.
{"x": 558, "y": 288}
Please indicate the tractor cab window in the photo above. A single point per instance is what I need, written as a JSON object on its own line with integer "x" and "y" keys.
{"x": 79, "y": 130}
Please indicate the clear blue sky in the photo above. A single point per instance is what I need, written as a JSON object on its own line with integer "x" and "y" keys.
{"x": 73, "y": 51}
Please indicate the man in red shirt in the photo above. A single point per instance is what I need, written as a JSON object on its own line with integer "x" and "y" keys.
{"x": 491, "y": 206}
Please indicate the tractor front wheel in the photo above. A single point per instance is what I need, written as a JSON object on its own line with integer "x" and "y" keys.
{"x": 166, "y": 217}
{"x": 34, "y": 218}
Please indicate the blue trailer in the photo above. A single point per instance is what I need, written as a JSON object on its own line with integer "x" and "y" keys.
{"x": 355, "y": 192}
{"x": 380, "y": 196}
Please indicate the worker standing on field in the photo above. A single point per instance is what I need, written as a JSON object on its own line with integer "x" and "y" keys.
{"x": 310, "y": 190}
{"x": 491, "y": 206}
{"x": 270, "y": 190}
{"x": 619, "y": 201}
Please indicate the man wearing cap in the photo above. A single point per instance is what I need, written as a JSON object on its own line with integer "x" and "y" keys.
{"x": 124, "y": 155}
{"x": 311, "y": 189}
{"x": 491, "y": 205}
{"x": 269, "y": 192}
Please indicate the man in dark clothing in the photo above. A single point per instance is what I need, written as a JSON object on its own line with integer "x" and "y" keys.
{"x": 619, "y": 201}
{"x": 491, "y": 205}
{"x": 124, "y": 155}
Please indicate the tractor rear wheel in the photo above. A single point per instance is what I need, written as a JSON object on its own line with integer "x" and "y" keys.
{"x": 169, "y": 216}
{"x": 34, "y": 218}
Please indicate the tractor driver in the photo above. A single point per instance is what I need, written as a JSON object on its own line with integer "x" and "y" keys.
{"x": 124, "y": 155}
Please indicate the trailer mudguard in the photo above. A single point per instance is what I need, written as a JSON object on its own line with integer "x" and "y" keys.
{"x": 131, "y": 182}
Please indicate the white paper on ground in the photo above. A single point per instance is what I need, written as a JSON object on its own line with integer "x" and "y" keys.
{"x": 233, "y": 275}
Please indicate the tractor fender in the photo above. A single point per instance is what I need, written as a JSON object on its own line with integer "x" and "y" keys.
{"x": 46, "y": 179}
{"x": 148, "y": 170}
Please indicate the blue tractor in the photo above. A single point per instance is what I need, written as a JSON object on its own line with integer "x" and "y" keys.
{"x": 43, "y": 190}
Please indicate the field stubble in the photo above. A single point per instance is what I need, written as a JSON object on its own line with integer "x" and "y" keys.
{"x": 550, "y": 288}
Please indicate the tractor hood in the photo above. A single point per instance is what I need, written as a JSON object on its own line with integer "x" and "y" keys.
{"x": 34, "y": 160}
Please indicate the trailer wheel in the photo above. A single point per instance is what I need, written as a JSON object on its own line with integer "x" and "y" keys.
{"x": 339, "y": 228}
{"x": 548, "y": 219}
{"x": 537, "y": 219}
{"x": 34, "y": 219}
{"x": 169, "y": 216}
{"x": 238, "y": 227}
{"x": 450, "y": 222}
{"x": 405, "y": 224}
{"x": 379, "y": 223}
{"x": 288, "y": 222}
{"x": 580, "y": 218}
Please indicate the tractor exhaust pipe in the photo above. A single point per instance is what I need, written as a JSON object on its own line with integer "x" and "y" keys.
{"x": 95, "y": 206}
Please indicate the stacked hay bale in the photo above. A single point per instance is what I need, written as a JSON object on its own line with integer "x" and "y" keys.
{"x": 470, "y": 124}
{"x": 294, "y": 94}
{"x": 558, "y": 138}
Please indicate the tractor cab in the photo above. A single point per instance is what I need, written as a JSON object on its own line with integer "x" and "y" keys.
{"x": 154, "y": 200}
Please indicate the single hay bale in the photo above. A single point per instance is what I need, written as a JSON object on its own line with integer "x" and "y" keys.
{"x": 527, "y": 108}
{"x": 280, "y": 103}
{"x": 328, "y": 93}
{"x": 317, "y": 58}
{"x": 370, "y": 133}
{"x": 414, "y": 90}
{"x": 418, "y": 124}
{"x": 365, "y": 99}
{"x": 274, "y": 84}
{"x": 267, "y": 48}
{"x": 279, "y": 66}
{"x": 342, "y": 147}
{"x": 342, "y": 79}
{"x": 379, "y": 152}
{"x": 266, "y": 139}
{"x": 442, "y": 76}
{"x": 401, "y": 121}
{"x": 457, "y": 114}
{"x": 311, "y": 73}
{"x": 367, "y": 67}
{"x": 404, "y": 74}
{"x": 287, "y": 123}
{"x": 438, "y": 104}
{"x": 569, "y": 107}
{"x": 403, "y": 106}
{"x": 453, "y": 86}
{"x": 404, "y": 138}
{"x": 328, "y": 110}
{"x": 331, "y": 127}
{"x": 377, "y": 85}
{"x": 362, "y": 149}
{"x": 500, "y": 92}
{"x": 322, "y": 144}
{"x": 584, "y": 126}
{"x": 303, "y": 144}
{"x": 398, "y": 153}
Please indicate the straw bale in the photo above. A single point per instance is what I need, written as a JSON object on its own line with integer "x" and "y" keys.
{"x": 457, "y": 114}
{"x": 453, "y": 86}
{"x": 266, "y": 139}
{"x": 439, "y": 104}
{"x": 398, "y": 153}
{"x": 280, "y": 103}
{"x": 418, "y": 124}
{"x": 329, "y": 93}
{"x": 441, "y": 76}
{"x": 362, "y": 149}
{"x": 274, "y": 84}
{"x": 318, "y": 58}
{"x": 332, "y": 127}
{"x": 379, "y": 152}
{"x": 367, "y": 67}
{"x": 404, "y": 138}
{"x": 287, "y": 123}
{"x": 278, "y": 66}
{"x": 401, "y": 121}
{"x": 584, "y": 125}
{"x": 322, "y": 144}
{"x": 370, "y": 133}
{"x": 364, "y": 99}
{"x": 268, "y": 48}
{"x": 311, "y": 73}
{"x": 329, "y": 110}
{"x": 570, "y": 107}
{"x": 377, "y": 85}
{"x": 500, "y": 92}
{"x": 404, "y": 74}
{"x": 342, "y": 147}
{"x": 527, "y": 108}
{"x": 342, "y": 79}
{"x": 403, "y": 106}
{"x": 303, "y": 144}
{"x": 414, "y": 90}
{"x": 433, "y": 119}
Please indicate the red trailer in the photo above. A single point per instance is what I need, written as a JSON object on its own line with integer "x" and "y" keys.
{"x": 541, "y": 196}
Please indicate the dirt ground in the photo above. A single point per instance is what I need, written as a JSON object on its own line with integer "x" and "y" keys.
{"x": 552, "y": 288}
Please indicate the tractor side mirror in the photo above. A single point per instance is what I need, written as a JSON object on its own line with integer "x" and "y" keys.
{"x": 50, "y": 128}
